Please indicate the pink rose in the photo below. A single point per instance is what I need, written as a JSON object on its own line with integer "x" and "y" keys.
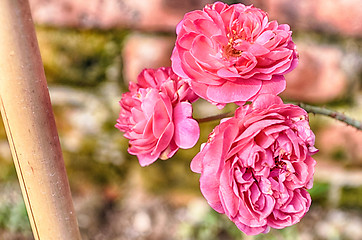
{"x": 156, "y": 116}
{"x": 257, "y": 165}
{"x": 167, "y": 81}
{"x": 233, "y": 53}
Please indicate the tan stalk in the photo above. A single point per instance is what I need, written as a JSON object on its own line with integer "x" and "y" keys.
{"x": 30, "y": 126}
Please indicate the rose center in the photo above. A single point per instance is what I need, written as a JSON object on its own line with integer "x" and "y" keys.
{"x": 229, "y": 50}
{"x": 279, "y": 163}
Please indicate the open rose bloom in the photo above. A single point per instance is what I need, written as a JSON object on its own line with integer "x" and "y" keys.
{"x": 156, "y": 116}
{"x": 257, "y": 165}
{"x": 233, "y": 53}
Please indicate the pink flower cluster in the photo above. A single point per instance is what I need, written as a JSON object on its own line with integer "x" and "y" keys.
{"x": 256, "y": 166}
{"x": 233, "y": 53}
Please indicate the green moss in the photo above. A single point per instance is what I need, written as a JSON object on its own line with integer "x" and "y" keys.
{"x": 13, "y": 216}
{"x": 83, "y": 165}
{"x": 170, "y": 175}
{"x": 7, "y": 170}
{"x": 351, "y": 197}
{"x": 2, "y": 130}
{"x": 319, "y": 193}
{"x": 79, "y": 58}
{"x": 324, "y": 38}
{"x": 339, "y": 154}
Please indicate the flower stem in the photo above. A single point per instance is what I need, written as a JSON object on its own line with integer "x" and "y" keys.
{"x": 215, "y": 117}
{"x": 333, "y": 114}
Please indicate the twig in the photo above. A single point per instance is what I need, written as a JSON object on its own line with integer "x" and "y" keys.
{"x": 310, "y": 109}
{"x": 333, "y": 114}
{"x": 215, "y": 117}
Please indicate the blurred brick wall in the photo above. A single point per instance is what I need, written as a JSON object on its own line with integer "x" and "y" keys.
{"x": 328, "y": 70}
{"x": 145, "y": 15}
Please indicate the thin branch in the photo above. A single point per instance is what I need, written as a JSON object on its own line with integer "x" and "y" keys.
{"x": 215, "y": 117}
{"x": 310, "y": 109}
{"x": 333, "y": 114}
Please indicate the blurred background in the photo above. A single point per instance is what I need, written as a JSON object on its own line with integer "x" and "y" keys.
{"x": 92, "y": 49}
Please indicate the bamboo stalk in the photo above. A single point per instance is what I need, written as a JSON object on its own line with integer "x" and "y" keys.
{"x": 30, "y": 126}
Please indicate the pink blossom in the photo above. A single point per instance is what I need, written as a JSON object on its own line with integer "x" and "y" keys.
{"x": 156, "y": 116}
{"x": 233, "y": 53}
{"x": 257, "y": 165}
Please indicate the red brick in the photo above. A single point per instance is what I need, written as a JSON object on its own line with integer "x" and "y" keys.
{"x": 145, "y": 51}
{"x": 149, "y": 15}
{"x": 338, "y": 137}
{"x": 65, "y": 13}
{"x": 342, "y": 17}
{"x": 337, "y": 16}
{"x": 319, "y": 77}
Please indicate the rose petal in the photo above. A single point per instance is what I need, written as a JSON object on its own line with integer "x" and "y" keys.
{"x": 229, "y": 92}
{"x": 187, "y": 129}
{"x": 266, "y": 100}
